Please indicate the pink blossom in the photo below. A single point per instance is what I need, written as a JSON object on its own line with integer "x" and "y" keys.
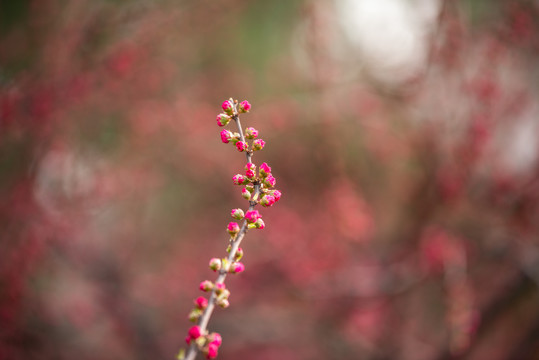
{"x": 206, "y": 285}
{"x": 195, "y": 332}
{"x": 219, "y": 287}
{"x": 267, "y": 200}
{"x": 246, "y": 194}
{"x": 252, "y": 216}
{"x": 245, "y": 106}
{"x": 241, "y": 146}
{"x": 201, "y": 302}
{"x": 226, "y": 136}
{"x": 233, "y": 228}
{"x": 216, "y": 339}
{"x": 250, "y": 170}
{"x": 251, "y": 133}
{"x": 237, "y": 214}
{"x": 270, "y": 181}
{"x": 276, "y": 195}
{"x": 239, "y": 179}
{"x": 223, "y": 119}
{"x": 260, "y": 224}
{"x": 228, "y": 107}
{"x": 258, "y": 144}
{"x": 264, "y": 169}
{"x": 237, "y": 267}
{"x": 188, "y": 339}
{"x": 212, "y": 351}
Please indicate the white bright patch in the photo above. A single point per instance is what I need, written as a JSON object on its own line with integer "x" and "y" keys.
{"x": 391, "y": 35}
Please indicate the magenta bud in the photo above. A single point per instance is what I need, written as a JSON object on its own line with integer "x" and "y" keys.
{"x": 267, "y": 200}
{"x": 277, "y": 195}
{"x": 244, "y": 106}
{"x": 206, "y": 285}
{"x": 246, "y": 194}
{"x": 226, "y": 136}
{"x": 201, "y": 302}
{"x": 223, "y": 119}
{"x": 239, "y": 179}
{"x": 236, "y": 267}
{"x": 215, "y": 264}
{"x": 219, "y": 288}
{"x": 233, "y": 228}
{"x": 228, "y": 107}
{"x": 251, "y": 133}
{"x": 188, "y": 339}
{"x": 269, "y": 181}
{"x": 259, "y": 224}
{"x": 264, "y": 170}
{"x": 195, "y": 332}
{"x": 241, "y": 146}
{"x": 252, "y": 216}
{"x": 258, "y": 144}
{"x": 237, "y": 214}
{"x": 211, "y": 352}
{"x": 250, "y": 169}
{"x": 215, "y": 338}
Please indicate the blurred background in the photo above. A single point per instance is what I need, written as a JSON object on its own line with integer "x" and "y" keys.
{"x": 403, "y": 135}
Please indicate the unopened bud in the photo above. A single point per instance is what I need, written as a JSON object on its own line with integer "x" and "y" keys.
{"x": 236, "y": 268}
{"x": 239, "y": 179}
{"x": 215, "y": 264}
{"x": 258, "y": 144}
{"x": 206, "y": 285}
{"x": 223, "y": 119}
{"x": 259, "y": 224}
{"x": 237, "y": 214}
{"x": 251, "y": 133}
{"x": 244, "y": 106}
{"x": 233, "y": 228}
{"x": 264, "y": 170}
{"x": 241, "y": 146}
{"x": 246, "y": 194}
{"x": 228, "y": 107}
{"x": 201, "y": 302}
{"x": 195, "y": 314}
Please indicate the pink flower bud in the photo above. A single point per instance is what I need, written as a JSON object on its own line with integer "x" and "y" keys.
{"x": 269, "y": 181}
{"x": 239, "y": 179}
{"x": 264, "y": 170}
{"x": 224, "y": 303}
{"x": 250, "y": 170}
{"x": 237, "y": 214}
{"x": 236, "y": 267}
{"x": 219, "y": 288}
{"x": 195, "y": 314}
{"x": 226, "y": 136}
{"x": 267, "y": 200}
{"x": 215, "y": 264}
{"x": 223, "y": 119}
{"x": 188, "y": 339}
{"x": 258, "y": 144}
{"x": 206, "y": 285}
{"x": 246, "y": 194}
{"x": 201, "y": 302}
{"x": 215, "y": 338}
{"x": 228, "y": 107}
{"x": 259, "y": 224}
{"x": 238, "y": 255}
{"x": 244, "y": 106}
{"x": 212, "y": 351}
{"x": 241, "y": 146}
{"x": 276, "y": 195}
{"x": 252, "y": 216}
{"x": 195, "y": 332}
{"x": 233, "y": 228}
{"x": 251, "y": 133}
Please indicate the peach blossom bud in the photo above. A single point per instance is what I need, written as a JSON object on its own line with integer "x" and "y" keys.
{"x": 226, "y": 136}
{"x": 258, "y": 144}
{"x": 264, "y": 170}
{"x": 239, "y": 179}
{"x": 252, "y": 216}
{"x": 215, "y": 338}
{"x": 195, "y": 314}
{"x": 236, "y": 267}
{"x": 269, "y": 181}
{"x": 259, "y": 224}
{"x": 267, "y": 200}
{"x": 251, "y": 133}
{"x": 238, "y": 255}
{"x": 223, "y": 119}
{"x": 277, "y": 195}
{"x": 224, "y": 303}
{"x": 250, "y": 170}
{"x": 206, "y": 285}
{"x": 246, "y": 194}
{"x": 212, "y": 351}
{"x": 237, "y": 214}
{"x": 188, "y": 339}
{"x": 219, "y": 288}
{"x": 233, "y": 228}
{"x": 228, "y": 107}
{"x": 244, "y": 106}
{"x": 195, "y": 332}
{"x": 215, "y": 264}
{"x": 241, "y": 146}
{"x": 201, "y": 302}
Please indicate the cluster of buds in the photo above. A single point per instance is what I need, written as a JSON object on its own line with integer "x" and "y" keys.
{"x": 258, "y": 189}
